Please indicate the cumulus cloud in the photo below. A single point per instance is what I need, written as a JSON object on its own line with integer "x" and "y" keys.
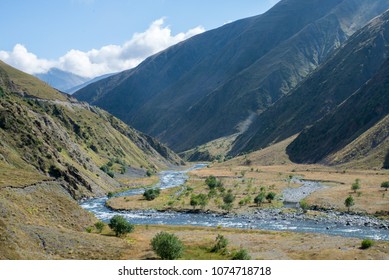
{"x": 22, "y": 59}
{"x": 108, "y": 59}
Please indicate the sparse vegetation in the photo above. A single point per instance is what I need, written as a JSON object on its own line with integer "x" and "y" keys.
{"x": 167, "y": 246}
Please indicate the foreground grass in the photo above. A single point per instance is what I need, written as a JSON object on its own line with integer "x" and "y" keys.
{"x": 259, "y": 244}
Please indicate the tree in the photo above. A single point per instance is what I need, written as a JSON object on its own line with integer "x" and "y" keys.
{"x": 167, "y": 246}
{"x": 151, "y": 194}
{"x": 349, "y": 202}
{"x": 385, "y": 185}
{"x": 228, "y": 198}
{"x": 270, "y": 196}
{"x": 120, "y": 225}
{"x": 259, "y": 199}
{"x": 356, "y": 185}
{"x": 213, "y": 183}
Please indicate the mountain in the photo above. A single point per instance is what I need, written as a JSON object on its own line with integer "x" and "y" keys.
{"x": 62, "y": 80}
{"x": 80, "y": 86}
{"x": 206, "y": 87}
{"x": 55, "y": 150}
{"x": 338, "y": 103}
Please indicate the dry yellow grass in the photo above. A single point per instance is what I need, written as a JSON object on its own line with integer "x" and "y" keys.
{"x": 259, "y": 244}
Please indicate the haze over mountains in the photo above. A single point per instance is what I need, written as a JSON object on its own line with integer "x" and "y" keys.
{"x": 203, "y": 88}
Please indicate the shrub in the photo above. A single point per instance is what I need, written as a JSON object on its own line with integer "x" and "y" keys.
{"x": 385, "y": 185}
{"x": 221, "y": 244}
{"x": 99, "y": 226}
{"x": 349, "y": 202}
{"x": 200, "y": 199}
{"x": 242, "y": 254}
{"x": 228, "y": 198}
{"x": 366, "y": 244}
{"x": 120, "y": 225}
{"x": 304, "y": 205}
{"x": 211, "y": 182}
{"x": 149, "y": 173}
{"x": 270, "y": 196}
{"x": 259, "y": 199}
{"x": 151, "y": 194}
{"x": 110, "y": 194}
{"x": 167, "y": 246}
{"x": 356, "y": 185}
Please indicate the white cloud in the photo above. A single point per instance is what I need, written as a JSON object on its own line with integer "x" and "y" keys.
{"x": 26, "y": 61}
{"x": 108, "y": 59}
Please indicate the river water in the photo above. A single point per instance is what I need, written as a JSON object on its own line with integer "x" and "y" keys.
{"x": 263, "y": 219}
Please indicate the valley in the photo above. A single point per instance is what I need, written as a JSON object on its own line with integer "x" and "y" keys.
{"x": 270, "y": 134}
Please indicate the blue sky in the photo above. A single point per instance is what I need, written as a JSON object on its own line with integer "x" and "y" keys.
{"x": 39, "y": 34}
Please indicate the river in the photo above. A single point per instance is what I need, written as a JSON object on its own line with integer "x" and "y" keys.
{"x": 332, "y": 223}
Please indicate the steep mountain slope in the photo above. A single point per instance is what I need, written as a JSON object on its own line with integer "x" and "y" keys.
{"x": 62, "y": 80}
{"x": 52, "y": 149}
{"x": 352, "y": 88}
{"x": 80, "y": 86}
{"x": 206, "y": 86}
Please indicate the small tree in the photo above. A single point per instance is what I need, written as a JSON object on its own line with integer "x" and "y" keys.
{"x": 167, "y": 246}
{"x": 349, "y": 202}
{"x": 120, "y": 225}
{"x": 356, "y": 185}
{"x": 385, "y": 185}
{"x": 211, "y": 182}
{"x": 151, "y": 194}
{"x": 259, "y": 199}
{"x": 270, "y": 196}
{"x": 228, "y": 198}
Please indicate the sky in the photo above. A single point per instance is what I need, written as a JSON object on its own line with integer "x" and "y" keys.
{"x": 96, "y": 37}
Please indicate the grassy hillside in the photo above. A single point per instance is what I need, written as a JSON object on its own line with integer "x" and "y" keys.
{"x": 331, "y": 86}
{"x": 204, "y": 87}
{"x": 54, "y": 150}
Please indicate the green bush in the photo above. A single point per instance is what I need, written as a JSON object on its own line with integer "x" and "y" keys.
{"x": 99, "y": 226}
{"x": 385, "y": 185}
{"x": 212, "y": 182}
{"x": 356, "y": 185}
{"x": 120, "y": 225}
{"x": 366, "y": 244}
{"x": 259, "y": 199}
{"x": 151, "y": 194}
{"x": 199, "y": 200}
{"x": 167, "y": 246}
{"x": 270, "y": 196}
{"x": 221, "y": 244}
{"x": 242, "y": 254}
